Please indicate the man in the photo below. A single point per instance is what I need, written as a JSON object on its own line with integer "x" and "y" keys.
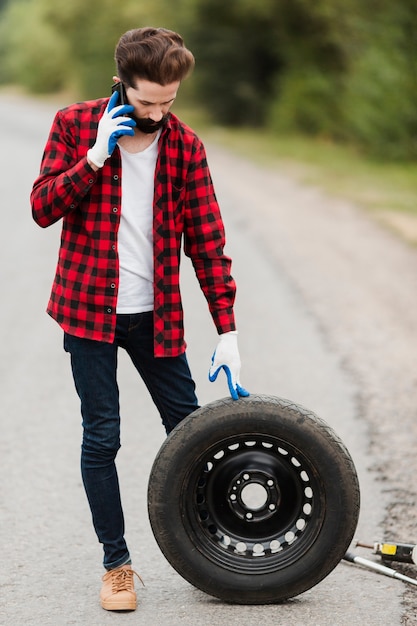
{"x": 130, "y": 181}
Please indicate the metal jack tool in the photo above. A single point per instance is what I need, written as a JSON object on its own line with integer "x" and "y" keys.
{"x": 382, "y": 569}
{"x": 391, "y": 551}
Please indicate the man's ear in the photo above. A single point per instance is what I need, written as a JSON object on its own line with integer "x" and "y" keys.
{"x": 116, "y": 79}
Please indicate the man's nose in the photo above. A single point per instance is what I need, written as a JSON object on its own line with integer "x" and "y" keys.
{"x": 156, "y": 115}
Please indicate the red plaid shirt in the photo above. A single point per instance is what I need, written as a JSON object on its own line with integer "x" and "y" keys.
{"x": 84, "y": 293}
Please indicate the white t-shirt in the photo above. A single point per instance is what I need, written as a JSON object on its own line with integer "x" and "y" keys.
{"x": 135, "y": 237}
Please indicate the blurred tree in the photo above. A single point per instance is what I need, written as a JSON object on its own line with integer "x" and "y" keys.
{"x": 46, "y": 45}
{"x": 344, "y": 69}
{"x": 32, "y": 53}
{"x": 91, "y": 31}
{"x": 316, "y": 41}
{"x": 237, "y": 54}
{"x": 380, "y": 100}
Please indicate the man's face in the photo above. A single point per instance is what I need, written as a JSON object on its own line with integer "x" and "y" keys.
{"x": 151, "y": 102}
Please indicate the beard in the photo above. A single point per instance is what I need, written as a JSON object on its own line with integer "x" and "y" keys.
{"x": 145, "y": 125}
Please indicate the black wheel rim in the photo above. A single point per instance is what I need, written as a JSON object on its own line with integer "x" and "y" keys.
{"x": 253, "y": 503}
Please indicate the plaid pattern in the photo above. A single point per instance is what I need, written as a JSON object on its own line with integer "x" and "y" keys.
{"x": 84, "y": 293}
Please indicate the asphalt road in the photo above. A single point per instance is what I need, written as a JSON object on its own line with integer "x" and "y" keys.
{"x": 314, "y": 308}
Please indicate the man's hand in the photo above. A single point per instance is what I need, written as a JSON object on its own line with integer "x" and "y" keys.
{"x": 226, "y": 356}
{"x": 111, "y": 126}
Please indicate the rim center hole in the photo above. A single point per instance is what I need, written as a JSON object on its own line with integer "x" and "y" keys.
{"x": 254, "y": 496}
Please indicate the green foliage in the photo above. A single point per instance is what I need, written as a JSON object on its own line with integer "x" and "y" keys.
{"x": 345, "y": 70}
{"x": 380, "y": 100}
{"x": 47, "y": 45}
{"x": 237, "y": 58}
{"x": 33, "y": 54}
{"x": 91, "y": 30}
{"x": 340, "y": 69}
{"x": 308, "y": 102}
{"x": 316, "y": 40}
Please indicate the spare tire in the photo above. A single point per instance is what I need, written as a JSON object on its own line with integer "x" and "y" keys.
{"x": 253, "y": 501}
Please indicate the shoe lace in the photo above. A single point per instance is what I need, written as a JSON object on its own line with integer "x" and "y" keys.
{"x": 122, "y": 580}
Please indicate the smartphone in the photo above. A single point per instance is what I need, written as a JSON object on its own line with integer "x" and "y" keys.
{"x": 122, "y": 92}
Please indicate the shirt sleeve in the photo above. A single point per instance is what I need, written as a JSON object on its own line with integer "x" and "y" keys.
{"x": 65, "y": 177}
{"x": 204, "y": 243}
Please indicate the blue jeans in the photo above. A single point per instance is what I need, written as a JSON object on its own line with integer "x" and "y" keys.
{"x": 94, "y": 366}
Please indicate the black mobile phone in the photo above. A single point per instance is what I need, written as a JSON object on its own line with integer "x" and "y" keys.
{"x": 122, "y": 92}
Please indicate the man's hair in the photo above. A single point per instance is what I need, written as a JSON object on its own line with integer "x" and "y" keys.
{"x": 154, "y": 54}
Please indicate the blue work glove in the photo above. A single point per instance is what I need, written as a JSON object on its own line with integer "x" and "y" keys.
{"x": 111, "y": 126}
{"x": 226, "y": 356}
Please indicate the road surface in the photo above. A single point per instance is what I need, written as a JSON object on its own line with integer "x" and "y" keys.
{"x": 326, "y": 311}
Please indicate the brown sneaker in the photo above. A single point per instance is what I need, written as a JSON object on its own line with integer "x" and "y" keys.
{"x": 118, "y": 590}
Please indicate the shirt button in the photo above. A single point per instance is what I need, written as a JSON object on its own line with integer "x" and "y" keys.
{"x": 113, "y": 286}
{"x": 109, "y": 310}
{"x": 115, "y": 177}
{"x": 91, "y": 180}
{"x": 113, "y": 247}
{"x": 115, "y": 209}
{"x": 72, "y": 206}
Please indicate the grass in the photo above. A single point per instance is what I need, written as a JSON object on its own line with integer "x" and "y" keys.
{"x": 387, "y": 189}
{"x": 338, "y": 169}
